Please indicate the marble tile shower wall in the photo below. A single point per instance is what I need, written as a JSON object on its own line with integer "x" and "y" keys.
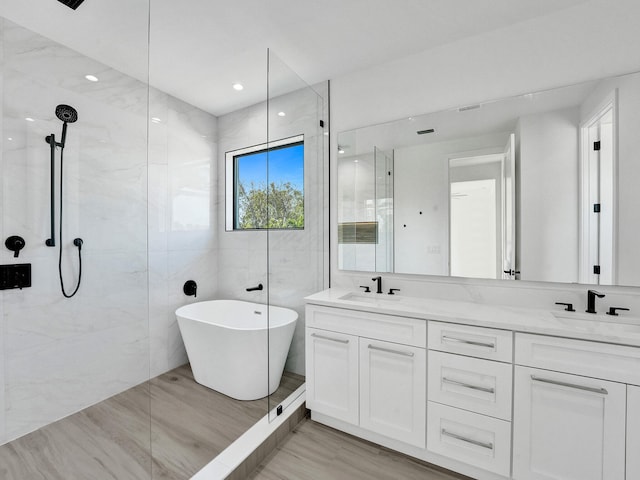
{"x": 128, "y": 192}
{"x": 295, "y": 259}
{"x": 182, "y": 219}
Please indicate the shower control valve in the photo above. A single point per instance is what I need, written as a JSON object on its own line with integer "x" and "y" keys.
{"x": 15, "y": 244}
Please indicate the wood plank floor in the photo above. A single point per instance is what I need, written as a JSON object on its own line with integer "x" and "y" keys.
{"x": 315, "y": 452}
{"x": 168, "y": 428}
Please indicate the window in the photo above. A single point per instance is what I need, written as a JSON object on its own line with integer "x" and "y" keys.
{"x": 265, "y": 186}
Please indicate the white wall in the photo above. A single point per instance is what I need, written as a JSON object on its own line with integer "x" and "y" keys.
{"x": 537, "y": 54}
{"x": 547, "y": 166}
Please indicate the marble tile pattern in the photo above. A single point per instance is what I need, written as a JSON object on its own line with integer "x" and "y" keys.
{"x": 182, "y": 219}
{"x": 139, "y": 193}
{"x": 294, "y": 259}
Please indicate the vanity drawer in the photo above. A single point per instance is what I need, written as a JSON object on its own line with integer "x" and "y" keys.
{"x": 618, "y": 363}
{"x": 481, "y": 386}
{"x": 480, "y": 342}
{"x": 481, "y": 441}
{"x": 390, "y": 328}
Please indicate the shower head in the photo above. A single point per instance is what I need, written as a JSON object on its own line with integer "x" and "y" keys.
{"x": 66, "y": 113}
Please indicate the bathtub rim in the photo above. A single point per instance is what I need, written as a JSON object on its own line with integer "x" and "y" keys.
{"x": 294, "y": 316}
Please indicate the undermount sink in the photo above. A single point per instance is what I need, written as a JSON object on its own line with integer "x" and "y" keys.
{"x": 370, "y": 297}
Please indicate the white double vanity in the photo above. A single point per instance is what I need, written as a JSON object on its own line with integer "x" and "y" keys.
{"x": 487, "y": 391}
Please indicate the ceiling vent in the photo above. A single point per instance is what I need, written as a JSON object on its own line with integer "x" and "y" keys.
{"x": 71, "y": 3}
{"x": 424, "y": 132}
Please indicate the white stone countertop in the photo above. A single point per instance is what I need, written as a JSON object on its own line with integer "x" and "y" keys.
{"x": 622, "y": 329}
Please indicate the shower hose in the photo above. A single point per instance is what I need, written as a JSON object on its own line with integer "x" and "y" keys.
{"x": 77, "y": 242}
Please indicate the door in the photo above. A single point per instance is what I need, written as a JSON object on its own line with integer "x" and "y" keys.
{"x": 633, "y": 432}
{"x": 393, "y": 390}
{"x": 332, "y": 374}
{"x": 567, "y": 427}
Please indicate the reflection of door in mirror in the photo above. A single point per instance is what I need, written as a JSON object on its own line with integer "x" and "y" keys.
{"x": 598, "y": 205}
{"x": 477, "y": 216}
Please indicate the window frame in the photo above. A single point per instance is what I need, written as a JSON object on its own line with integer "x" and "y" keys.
{"x": 230, "y": 180}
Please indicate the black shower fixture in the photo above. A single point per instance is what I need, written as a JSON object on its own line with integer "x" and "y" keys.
{"x": 71, "y": 3}
{"x": 67, "y": 115}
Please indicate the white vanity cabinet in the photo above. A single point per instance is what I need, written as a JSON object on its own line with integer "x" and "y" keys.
{"x": 486, "y": 400}
{"x": 368, "y": 370}
{"x": 570, "y": 402}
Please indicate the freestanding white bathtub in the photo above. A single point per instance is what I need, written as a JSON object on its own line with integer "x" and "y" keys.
{"x": 227, "y": 340}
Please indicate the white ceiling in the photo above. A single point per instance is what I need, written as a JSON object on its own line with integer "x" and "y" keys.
{"x": 199, "y": 48}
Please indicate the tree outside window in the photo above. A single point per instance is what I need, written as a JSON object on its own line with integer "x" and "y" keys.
{"x": 269, "y": 188}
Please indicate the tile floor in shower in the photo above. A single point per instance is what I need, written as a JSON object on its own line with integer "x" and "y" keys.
{"x": 188, "y": 426}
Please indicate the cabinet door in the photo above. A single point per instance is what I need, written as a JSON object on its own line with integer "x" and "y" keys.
{"x": 332, "y": 374}
{"x": 393, "y": 390}
{"x": 633, "y": 432}
{"x": 567, "y": 427}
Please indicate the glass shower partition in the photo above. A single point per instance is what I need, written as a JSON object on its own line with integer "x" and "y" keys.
{"x": 207, "y": 178}
{"x": 383, "y": 161}
{"x": 73, "y": 371}
{"x": 298, "y": 132}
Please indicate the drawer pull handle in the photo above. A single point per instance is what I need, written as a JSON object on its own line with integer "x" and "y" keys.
{"x": 468, "y": 385}
{"x": 601, "y": 391}
{"x": 486, "y": 445}
{"x": 338, "y": 340}
{"x": 397, "y": 352}
{"x": 468, "y": 342}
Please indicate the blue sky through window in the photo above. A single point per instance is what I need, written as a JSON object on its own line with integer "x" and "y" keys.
{"x": 286, "y": 164}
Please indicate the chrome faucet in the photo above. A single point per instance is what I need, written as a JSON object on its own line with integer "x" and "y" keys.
{"x": 378, "y": 281}
{"x": 591, "y": 300}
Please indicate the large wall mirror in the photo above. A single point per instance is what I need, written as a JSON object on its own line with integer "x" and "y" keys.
{"x": 542, "y": 187}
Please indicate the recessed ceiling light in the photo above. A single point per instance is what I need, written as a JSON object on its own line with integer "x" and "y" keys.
{"x": 340, "y": 150}
{"x": 238, "y": 86}
{"x": 10, "y": 139}
{"x": 356, "y": 161}
{"x": 281, "y": 114}
{"x": 91, "y": 78}
{"x": 155, "y": 120}
{"x": 29, "y": 119}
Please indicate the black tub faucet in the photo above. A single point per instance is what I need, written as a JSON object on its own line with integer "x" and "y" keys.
{"x": 378, "y": 281}
{"x": 591, "y": 300}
